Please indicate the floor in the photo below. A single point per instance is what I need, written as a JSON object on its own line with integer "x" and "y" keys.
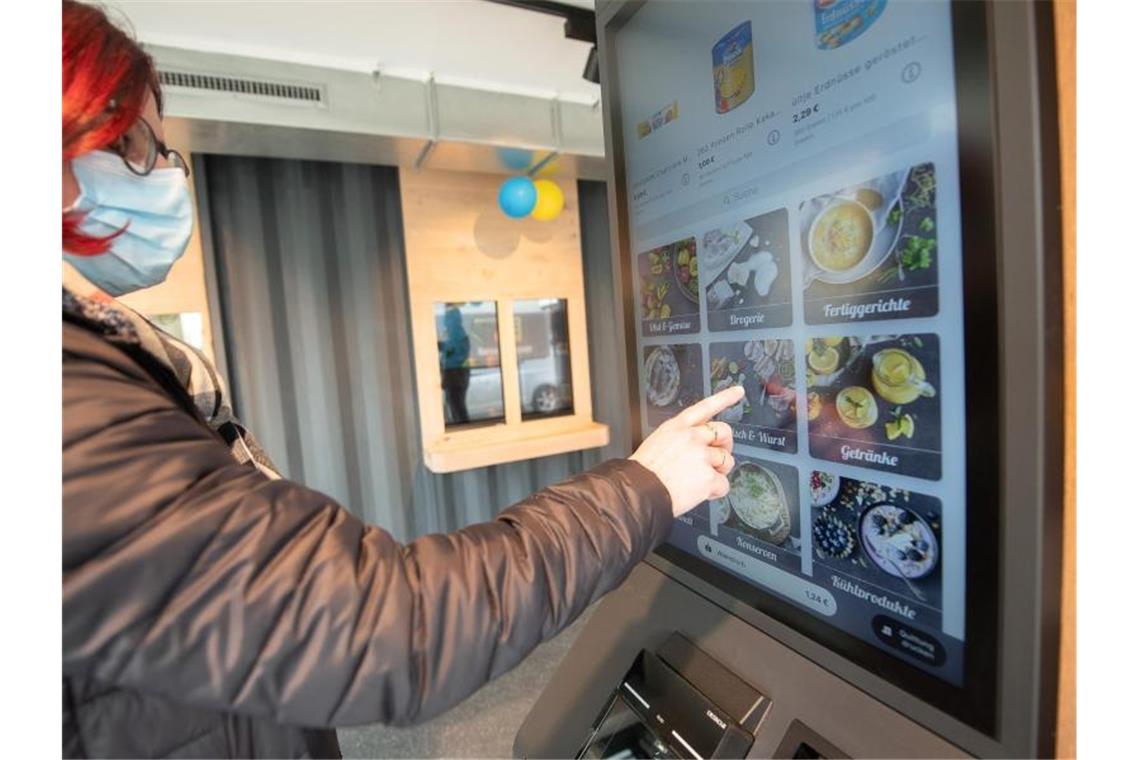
{"x": 484, "y": 726}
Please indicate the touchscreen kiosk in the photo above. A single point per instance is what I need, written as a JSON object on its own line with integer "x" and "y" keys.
{"x": 817, "y": 200}
{"x": 795, "y": 224}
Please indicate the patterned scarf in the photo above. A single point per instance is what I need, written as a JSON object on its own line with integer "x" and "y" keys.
{"x": 122, "y": 326}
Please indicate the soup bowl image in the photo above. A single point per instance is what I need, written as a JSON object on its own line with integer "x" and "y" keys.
{"x": 841, "y": 236}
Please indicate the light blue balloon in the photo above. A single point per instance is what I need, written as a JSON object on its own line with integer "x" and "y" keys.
{"x": 516, "y": 159}
{"x": 517, "y": 197}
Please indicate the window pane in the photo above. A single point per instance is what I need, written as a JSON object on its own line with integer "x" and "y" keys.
{"x": 186, "y": 326}
{"x": 542, "y": 340}
{"x": 467, "y": 335}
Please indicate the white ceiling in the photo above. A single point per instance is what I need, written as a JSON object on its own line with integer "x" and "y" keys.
{"x": 471, "y": 42}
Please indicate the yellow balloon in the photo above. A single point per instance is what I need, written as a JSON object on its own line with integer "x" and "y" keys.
{"x": 550, "y": 200}
{"x": 550, "y": 168}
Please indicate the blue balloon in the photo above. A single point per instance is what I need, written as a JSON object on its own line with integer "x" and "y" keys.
{"x": 517, "y": 197}
{"x": 517, "y": 159}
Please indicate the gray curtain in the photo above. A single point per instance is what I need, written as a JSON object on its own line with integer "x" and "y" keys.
{"x": 309, "y": 265}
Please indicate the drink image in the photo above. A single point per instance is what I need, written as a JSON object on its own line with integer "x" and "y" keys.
{"x": 872, "y": 401}
{"x": 856, "y": 407}
{"x": 823, "y": 355}
{"x": 898, "y": 377}
{"x": 734, "y": 76}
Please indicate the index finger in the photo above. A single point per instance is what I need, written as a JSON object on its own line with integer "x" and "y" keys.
{"x": 707, "y": 408}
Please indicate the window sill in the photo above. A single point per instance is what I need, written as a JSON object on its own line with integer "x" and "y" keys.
{"x": 502, "y": 443}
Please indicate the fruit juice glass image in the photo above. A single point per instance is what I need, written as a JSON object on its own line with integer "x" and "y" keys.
{"x": 873, "y": 402}
{"x": 734, "y": 77}
{"x": 898, "y": 377}
{"x": 837, "y": 22}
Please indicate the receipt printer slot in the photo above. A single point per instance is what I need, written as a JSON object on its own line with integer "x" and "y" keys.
{"x": 656, "y": 712}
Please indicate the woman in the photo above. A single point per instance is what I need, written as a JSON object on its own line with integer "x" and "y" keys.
{"x": 212, "y": 608}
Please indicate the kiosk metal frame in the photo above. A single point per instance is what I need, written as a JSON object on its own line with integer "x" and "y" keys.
{"x": 1009, "y": 164}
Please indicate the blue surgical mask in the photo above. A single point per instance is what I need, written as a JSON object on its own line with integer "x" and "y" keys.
{"x": 155, "y": 209}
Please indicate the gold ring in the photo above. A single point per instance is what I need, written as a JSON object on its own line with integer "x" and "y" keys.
{"x": 713, "y": 430}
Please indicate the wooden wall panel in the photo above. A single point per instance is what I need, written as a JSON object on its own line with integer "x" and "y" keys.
{"x": 1066, "y": 26}
{"x": 461, "y": 247}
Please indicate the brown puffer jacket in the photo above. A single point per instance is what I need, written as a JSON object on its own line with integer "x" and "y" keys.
{"x": 211, "y": 612}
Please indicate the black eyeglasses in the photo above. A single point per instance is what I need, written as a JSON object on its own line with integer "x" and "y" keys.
{"x": 140, "y": 148}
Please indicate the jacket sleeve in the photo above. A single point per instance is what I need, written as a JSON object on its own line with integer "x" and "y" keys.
{"x": 192, "y": 577}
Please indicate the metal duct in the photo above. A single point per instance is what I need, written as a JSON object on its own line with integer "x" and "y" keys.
{"x": 300, "y": 93}
{"x": 237, "y": 105}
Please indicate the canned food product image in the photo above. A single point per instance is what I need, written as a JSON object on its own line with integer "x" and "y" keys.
{"x": 837, "y": 22}
{"x": 733, "y": 72}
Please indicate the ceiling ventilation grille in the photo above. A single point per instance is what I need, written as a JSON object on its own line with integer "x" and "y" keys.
{"x": 257, "y": 88}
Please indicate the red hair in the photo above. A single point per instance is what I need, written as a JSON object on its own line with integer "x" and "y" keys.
{"x": 106, "y": 80}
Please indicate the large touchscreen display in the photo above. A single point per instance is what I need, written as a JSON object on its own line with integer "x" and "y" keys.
{"x": 792, "y": 181}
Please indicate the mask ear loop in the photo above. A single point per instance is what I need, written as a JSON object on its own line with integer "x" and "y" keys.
{"x": 74, "y": 205}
